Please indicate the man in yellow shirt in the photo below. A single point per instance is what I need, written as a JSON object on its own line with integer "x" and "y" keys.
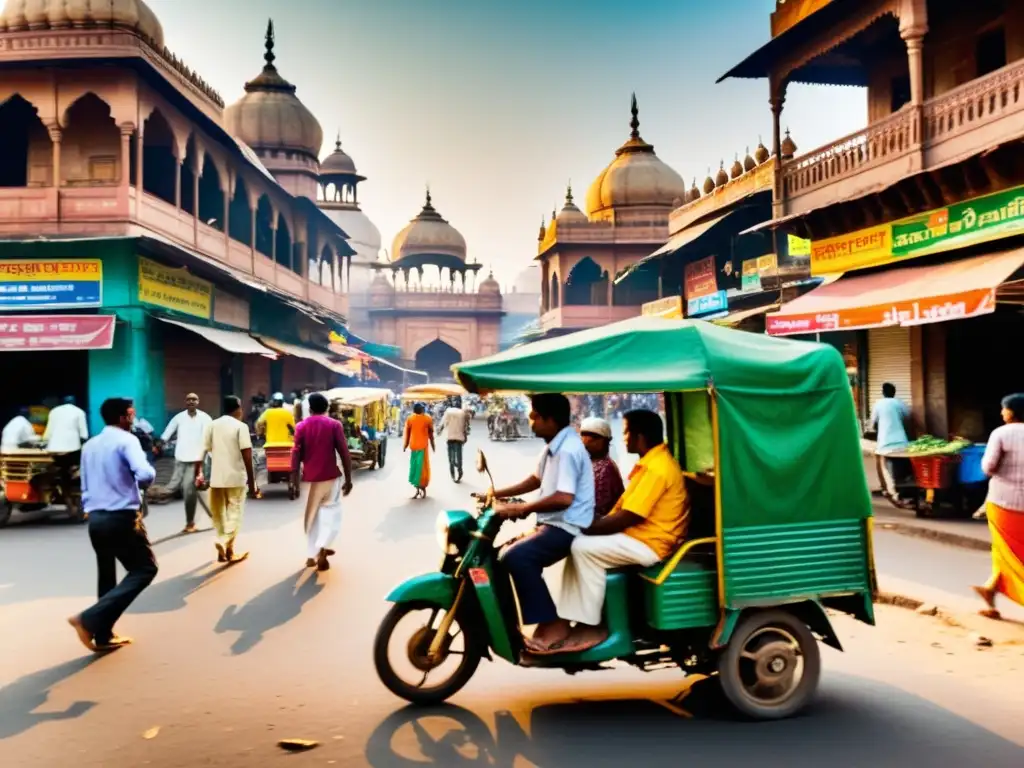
{"x": 277, "y": 423}
{"x": 645, "y": 527}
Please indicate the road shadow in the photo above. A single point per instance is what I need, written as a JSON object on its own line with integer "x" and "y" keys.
{"x": 407, "y": 521}
{"x": 20, "y": 699}
{"x": 272, "y": 608}
{"x": 855, "y": 724}
{"x": 172, "y": 594}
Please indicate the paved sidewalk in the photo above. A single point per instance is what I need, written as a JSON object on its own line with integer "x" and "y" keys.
{"x": 960, "y": 532}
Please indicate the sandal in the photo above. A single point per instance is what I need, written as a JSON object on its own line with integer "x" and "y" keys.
{"x": 991, "y": 613}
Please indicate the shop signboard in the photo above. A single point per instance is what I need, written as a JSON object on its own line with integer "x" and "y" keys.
{"x": 706, "y": 305}
{"x": 798, "y": 247}
{"x": 700, "y": 278}
{"x": 956, "y": 306}
{"x": 669, "y": 308}
{"x": 50, "y": 284}
{"x": 174, "y": 288}
{"x": 750, "y": 277}
{"x": 981, "y": 220}
{"x": 56, "y": 333}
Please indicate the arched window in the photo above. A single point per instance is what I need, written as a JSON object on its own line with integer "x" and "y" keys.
{"x": 240, "y": 217}
{"x": 27, "y": 155}
{"x": 264, "y": 226}
{"x": 554, "y": 292}
{"x": 587, "y": 285}
{"x": 284, "y": 246}
{"x": 211, "y": 195}
{"x": 91, "y": 144}
{"x": 159, "y": 164}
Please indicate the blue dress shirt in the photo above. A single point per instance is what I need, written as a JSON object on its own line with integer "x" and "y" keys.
{"x": 565, "y": 467}
{"x": 113, "y": 465}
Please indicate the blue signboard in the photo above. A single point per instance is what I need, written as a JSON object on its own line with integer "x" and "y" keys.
{"x": 54, "y": 284}
{"x": 705, "y": 305}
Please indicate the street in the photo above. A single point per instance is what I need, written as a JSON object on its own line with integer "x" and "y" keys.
{"x": 228, "y": 661}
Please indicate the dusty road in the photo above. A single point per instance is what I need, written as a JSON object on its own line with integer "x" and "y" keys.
{"x": 228, "y": 662}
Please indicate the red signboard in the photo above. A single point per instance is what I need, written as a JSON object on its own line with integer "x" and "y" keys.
{"x": 56, "y": 333}
{"x": 909, "y": 312}
{"x": 701, "y": 279}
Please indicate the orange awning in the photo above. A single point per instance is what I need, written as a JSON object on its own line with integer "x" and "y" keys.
{"x": 906, "y": 296}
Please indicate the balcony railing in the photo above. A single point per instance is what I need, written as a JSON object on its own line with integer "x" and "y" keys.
{"x": 933, "y": 131}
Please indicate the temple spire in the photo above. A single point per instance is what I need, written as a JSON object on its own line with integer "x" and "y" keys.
{"x": 634, "y": 124}
{"x": 428, "y": 204}
{"x": 269, "y": 56}
{"x": 337, "y": 142}
{"x": 568, "y": 193}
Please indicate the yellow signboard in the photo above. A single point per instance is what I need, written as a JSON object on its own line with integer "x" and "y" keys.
{"x": 175, "y": 289}
{"x": 669, "y": 308}
{"x": 855, "y": 250}
{"x": 798, "y": 246}
{"x": 767, "y": 265}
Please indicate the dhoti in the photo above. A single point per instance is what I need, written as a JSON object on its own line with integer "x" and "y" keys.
{"x": 323, "y": 515}
{"x": 583, "y": 580}
{"x": 227, "y": 506}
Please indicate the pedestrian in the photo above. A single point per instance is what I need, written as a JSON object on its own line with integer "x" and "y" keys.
{"x": 608, "y": 485}
{"x": 456, "y": 422}
{"x": 888, "y": 418}
{"x": 229, "y": 445}
{"x": 189, "y": 427}
{"x": 113, "y": 467}
{"x": 419, "y": 435}
{"x": 1004, "y": 464}
{"x": 18, "y": 432}
{"x": 319, "y": 444}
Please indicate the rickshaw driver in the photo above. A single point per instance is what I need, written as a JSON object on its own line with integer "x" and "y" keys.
{"x": 277, "y": 423}
{"x": 644, "y": 528}
{"x": 566, "y": 483}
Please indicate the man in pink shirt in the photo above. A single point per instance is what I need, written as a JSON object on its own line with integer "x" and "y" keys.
{"x": 319, "y": 442}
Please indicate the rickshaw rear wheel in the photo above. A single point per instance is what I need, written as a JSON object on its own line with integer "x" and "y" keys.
{"x": 771, "y": 667}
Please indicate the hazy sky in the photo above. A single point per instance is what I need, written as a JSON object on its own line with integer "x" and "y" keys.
{"x": 497, "y": 103}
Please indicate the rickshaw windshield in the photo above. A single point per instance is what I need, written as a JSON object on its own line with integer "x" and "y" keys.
{"x": 780, "y": 413}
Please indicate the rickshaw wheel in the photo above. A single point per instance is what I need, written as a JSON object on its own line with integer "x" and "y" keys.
{"x": 771, "y": 667}
{"x": 6, "y": 510}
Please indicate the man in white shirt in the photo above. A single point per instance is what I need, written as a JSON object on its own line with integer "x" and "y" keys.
{"x": 189, "y": 426}
{"x": 227, "y": 440}
{"x": 18, "y": 432}
{"x": 66, "y": 430}
{"x": 456, "y": 421}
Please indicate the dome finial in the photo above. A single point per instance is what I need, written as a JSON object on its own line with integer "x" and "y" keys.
{"x": 428, "y": 204}
{"x": 269, "y": 56}
{"x": 337, "y": 142}
{"x": 568, "y": 193}
{"x": 634, "y": 124}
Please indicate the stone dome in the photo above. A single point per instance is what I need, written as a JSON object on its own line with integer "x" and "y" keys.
{"x": 570, "y": 213}
{"x": 761, "y": 153}
{"x": 749, "y": 163}
{"x": 381, "y": 284}
{"x": 428, "y": 235}
{"x": 694, "y": 193}
{"x": 737, "y": 169}
{"x": 338, "y": 163}
{"x": 489, "y": 285}
{"x": 709, "y": 184}
{"x": 363, "y": 235}
{"x": 721, "y": 178}
{"x": 528, "y": 281}
{"x": 788, "y": 146}
{"x": 133, "y": 15}
{"x": 636, "y": 177}
{"x": 270, "y": 115}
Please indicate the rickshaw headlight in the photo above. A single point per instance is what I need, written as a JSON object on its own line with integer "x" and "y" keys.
{"x": 454, "y": 531}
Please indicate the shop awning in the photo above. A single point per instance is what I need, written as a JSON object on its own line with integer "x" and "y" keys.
{"x": 737, "y": 317}
{"x": 676, "y": 242}
{"x": 235, "y": 342}
{"x": 317, "y": 356}
{"x": 907, "y": 296}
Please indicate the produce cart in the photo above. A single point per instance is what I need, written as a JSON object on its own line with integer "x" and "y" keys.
{"x": 942, "y": 475}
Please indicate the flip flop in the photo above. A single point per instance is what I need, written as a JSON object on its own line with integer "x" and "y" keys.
{"x": 991, "y": 613}
{"x": 568, "y": 645}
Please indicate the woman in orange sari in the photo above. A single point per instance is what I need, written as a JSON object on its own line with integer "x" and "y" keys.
{"x": 1004, "y": 464}
{"x": 419, "y": 435}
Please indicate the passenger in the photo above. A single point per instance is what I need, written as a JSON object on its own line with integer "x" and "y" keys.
{"x": 608, "y": 487}
{"x": 565, "y": 507}
{"x": 644, "y": 528}
{"x": 18, "y": 432}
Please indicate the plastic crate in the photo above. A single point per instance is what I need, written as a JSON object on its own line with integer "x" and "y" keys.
{"x": 935, "y": 472}
{"x": 970, "y": 471}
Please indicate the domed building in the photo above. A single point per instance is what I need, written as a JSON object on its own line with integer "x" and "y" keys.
{"x": 429, "y": 307}
{"x": 277, "y": 126}
{"x": 580, "y": 254}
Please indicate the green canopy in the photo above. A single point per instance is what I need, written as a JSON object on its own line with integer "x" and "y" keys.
{"x": 789, "y": 439}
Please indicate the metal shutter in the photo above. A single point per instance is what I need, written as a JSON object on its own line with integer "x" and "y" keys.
{"x": 192, "y": 364}
{"x": 889, "y": 361}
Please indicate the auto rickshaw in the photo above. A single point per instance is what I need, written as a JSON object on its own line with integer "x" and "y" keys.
{"x": 365, "y": 412}
{"x": 780, "y": 535}
{"x": 32, "y": 481}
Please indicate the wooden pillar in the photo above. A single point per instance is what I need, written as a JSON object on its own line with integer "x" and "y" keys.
{"x": 777, "y": 102}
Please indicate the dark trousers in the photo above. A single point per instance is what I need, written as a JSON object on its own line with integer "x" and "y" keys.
{"x": 117, "y": 537}
{"x": 526, "y": 559}
{"x": 455, "y": 457}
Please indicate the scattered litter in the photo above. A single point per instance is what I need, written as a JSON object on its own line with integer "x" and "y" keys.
{"x": 151, "y": 733}
{"x": 297, "y": 745}
{"x": 928, "y": 610}
{"x": 980, "y": 640}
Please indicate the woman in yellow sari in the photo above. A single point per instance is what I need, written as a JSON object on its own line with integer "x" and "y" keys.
{"x": 1004, "y": 464}
{"x": 419, "y": 435}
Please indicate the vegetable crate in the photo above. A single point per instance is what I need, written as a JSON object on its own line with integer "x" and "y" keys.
{"x": 935, "y": 473}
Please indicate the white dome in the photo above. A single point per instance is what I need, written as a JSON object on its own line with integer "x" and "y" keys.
{"x": 528, "y": 281}
{"x": 364, "y": 237}
{"x": 56, "y": 14}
